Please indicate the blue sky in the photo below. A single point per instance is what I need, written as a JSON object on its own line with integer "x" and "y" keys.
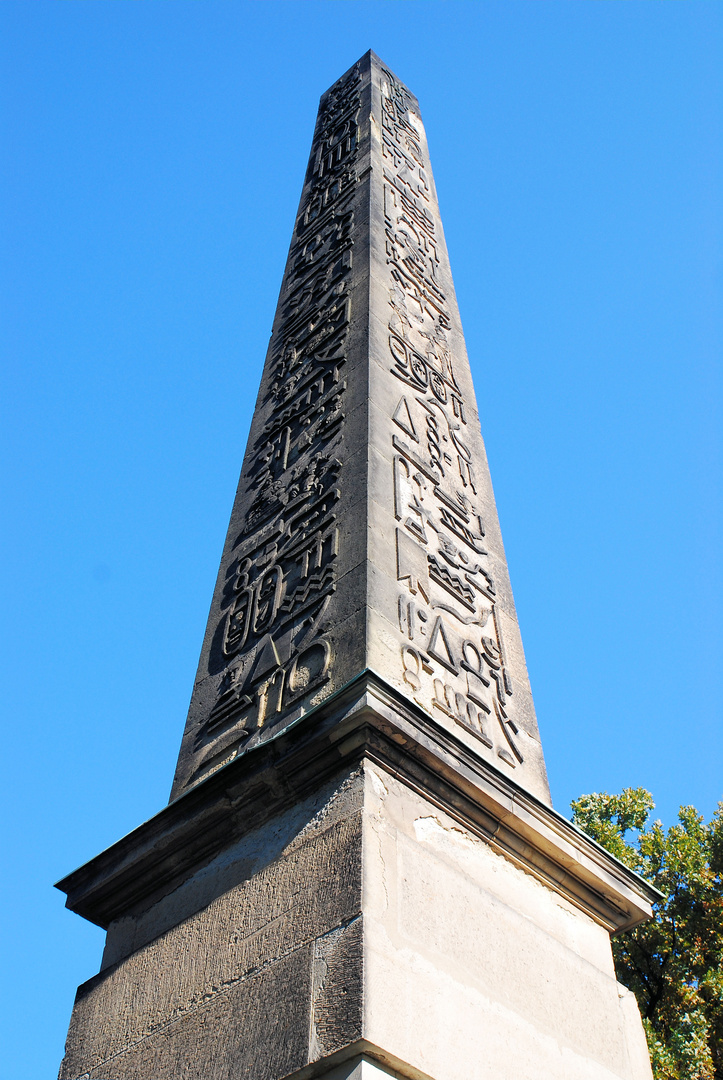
{"x": 154, "y": 154}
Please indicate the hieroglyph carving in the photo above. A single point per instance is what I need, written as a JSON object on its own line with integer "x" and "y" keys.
{"x": 283, "y": 570}
{"x": 453, "y": 657}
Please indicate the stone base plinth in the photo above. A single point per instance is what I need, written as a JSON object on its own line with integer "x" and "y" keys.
{"x": 354, "y": 911}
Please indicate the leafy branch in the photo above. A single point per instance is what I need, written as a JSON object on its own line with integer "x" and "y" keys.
{"x": 673, "y": 963}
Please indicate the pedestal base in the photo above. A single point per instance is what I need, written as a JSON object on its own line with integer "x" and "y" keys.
{"x": 362, "y": 915}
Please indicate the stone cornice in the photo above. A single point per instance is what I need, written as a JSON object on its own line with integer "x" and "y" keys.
{"x": 365, "y": 719}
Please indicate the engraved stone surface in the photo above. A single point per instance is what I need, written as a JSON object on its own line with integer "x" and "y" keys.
{"x": 364, "y": 534}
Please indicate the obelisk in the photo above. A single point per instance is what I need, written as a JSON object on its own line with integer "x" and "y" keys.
{"x": 359, "y": 872}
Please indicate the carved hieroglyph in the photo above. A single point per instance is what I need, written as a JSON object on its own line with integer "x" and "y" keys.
{"x": 364, "y": 534}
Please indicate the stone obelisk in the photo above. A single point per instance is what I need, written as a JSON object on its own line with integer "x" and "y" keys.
{"x": 359, "y": 872}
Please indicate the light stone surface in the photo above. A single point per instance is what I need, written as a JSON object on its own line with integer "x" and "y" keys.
{"x": 359, "y": 1067}
{"x": 364, "y": 532}
{"x": 364, "y": 917}
{"x": 475, "y": 969}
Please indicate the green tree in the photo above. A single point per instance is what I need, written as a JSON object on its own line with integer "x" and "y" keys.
{"x": 673, "y": 963}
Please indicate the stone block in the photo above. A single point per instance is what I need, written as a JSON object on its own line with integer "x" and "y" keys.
{"x": 364, "y": 915}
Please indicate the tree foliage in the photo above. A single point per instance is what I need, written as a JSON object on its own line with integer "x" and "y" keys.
{"x": 673, "y": 962}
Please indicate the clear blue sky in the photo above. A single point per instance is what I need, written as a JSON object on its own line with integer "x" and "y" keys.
{"x": 153, "y": 159}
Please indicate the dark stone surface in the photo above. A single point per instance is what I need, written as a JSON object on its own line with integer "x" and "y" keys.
{"x": 233, "y": 972}
{"x": 258, "y": 1028}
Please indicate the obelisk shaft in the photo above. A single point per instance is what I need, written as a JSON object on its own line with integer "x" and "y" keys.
{"x": 364, "y": 533}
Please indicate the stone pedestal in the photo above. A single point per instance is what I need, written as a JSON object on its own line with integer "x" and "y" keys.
{"x": 362, "y": 893}
{"x": 360, "y": 870}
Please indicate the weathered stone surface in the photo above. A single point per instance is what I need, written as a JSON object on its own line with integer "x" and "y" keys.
{"x": 376, "y": 919}
{"x": 364, "y": 532}
{"x": 243, "y": 892}
{"x": 270, "y": 1009}
{"x": 465, "y": 951}
{"x": 296, "y": 881}
{"x": 288, "y": 925}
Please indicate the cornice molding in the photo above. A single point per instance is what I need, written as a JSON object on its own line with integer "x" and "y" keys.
{"x": 367, "y": 719}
